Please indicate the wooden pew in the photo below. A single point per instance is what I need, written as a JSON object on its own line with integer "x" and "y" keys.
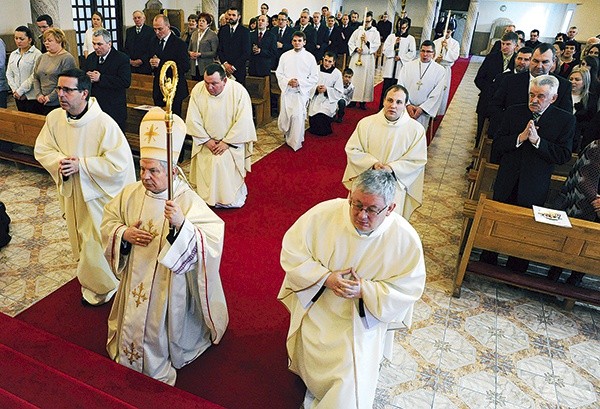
{"x": 512, "y": 230}
{"x": 275, "y": 90}
{"x": 260, "y": 95}
{"x": 20, "y": 128}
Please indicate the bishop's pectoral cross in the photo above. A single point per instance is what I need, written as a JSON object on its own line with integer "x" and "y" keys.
{"x": 419, "y": 83}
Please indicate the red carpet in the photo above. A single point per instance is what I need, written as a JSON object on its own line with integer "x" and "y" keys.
{"x": 249, "y": 368}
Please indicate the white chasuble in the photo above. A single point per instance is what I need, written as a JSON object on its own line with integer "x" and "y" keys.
{"x": 401, "y": 145}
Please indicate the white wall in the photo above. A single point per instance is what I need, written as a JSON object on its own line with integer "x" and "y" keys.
{"x": 14, "y": 8}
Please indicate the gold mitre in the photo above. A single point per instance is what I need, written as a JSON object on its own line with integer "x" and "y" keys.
{"x": 153, "y": 135}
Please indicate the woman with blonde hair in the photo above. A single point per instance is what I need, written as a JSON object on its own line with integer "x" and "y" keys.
{"x": 45, "y": 74}
{"x": 585, "y": 103}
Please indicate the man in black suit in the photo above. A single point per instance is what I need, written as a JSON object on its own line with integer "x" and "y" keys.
{"x": 515, "y": 88}
{"x": 284, "y": 35}
{"x": 168, "y": 47}
{"x": 304, "y": 25}
{"x": 110, "y": 73}
{"x": 322, "y": 40}
{"x": 234, "y": 46}
{"x": 534, "y": 39}
{"x": 532, "y": 139}
{"x": 493, "y": 65}
{"x": 137, "y": 44}
{"x": 333, "y": 38}
{"x": 263, "y": 49}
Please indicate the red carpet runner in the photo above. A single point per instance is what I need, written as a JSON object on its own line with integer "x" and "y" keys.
{"x": 249, "y": 368}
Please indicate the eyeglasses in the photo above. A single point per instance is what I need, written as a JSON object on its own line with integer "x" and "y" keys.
{"x": 371, "y": 211}
{"x": 66, "y": 90}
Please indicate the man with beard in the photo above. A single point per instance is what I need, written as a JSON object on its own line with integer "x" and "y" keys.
{"x": 234, "y": 46}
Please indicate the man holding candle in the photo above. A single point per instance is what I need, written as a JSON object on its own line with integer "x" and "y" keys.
{"x": 363, "y": 45}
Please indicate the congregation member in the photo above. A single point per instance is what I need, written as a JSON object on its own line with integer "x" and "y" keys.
{"x": 305, "y": 25}
{"x": 448, "y": 51}
{"x": 363, "y": 44}
{"x": 234, "y": 46}
{"x": 425, "y": 81}
{"x": 398, "y": 49}
{"x": 170, "y": 306}
{"x": 570, "y": 36}
{"x": 347, "y": 94}
{"x": 43, "y": 23}
{"x": 137, "y": 44}
{"x": 392, "y": 141}
{"x": 110, "y": 72}
{"x": 568, "y": 59}
{"x": 585, "y": 103}
{"x": 384, "y": 26}
{"x": 534, "y": 39}
{"x": 97, "y": 21}
{"x": 90, "y": 161}
{"x": 284, "y": 35}
{"x": 264, "y": 11}
{"x": 333, "y": 41}
{"x": 324, "y": 103}
{"x": 19, "y": 70}
{"x": 47, "y": 68}
{"x": 322, "y": 36}
{"x": 219, "y": 119}
{"x": 347, "y": 29}
{"x": 494, "y": 64}
{"x": 352, "y": 266}
{"x": 203, "y": 47}
{"x": 166, "y": 46}
{"x": 4, "y": 88}
{"x": 192, "y": 26}
{"x": 532, "y": 139}
{"x": 297, "y": 75}
{"x": 264, "y": 48}
{"x": 515, "y": 88}
{"x": 497, "y": 47}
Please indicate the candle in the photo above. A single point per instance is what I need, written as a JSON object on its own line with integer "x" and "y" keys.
{"x": 447, "y": 22}
{"x": 365, "y": 19}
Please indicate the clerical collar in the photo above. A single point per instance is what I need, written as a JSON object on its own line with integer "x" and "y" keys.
{"x": 76, "y": 117}
{"x": 329, "y": 71}
{"x": 362, "y": 233}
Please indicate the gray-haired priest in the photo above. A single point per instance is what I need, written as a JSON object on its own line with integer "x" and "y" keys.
{"x": 353, "y": 267}
{"x": 170, "y": 306}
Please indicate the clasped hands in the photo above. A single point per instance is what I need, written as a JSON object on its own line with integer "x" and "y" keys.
{"x": 381, "y": 166}
{"x": 134, "y": 235}
{"x": 530, "y": 132}
{"x": 94, "y": 75}
{"x": 344, "y": 287}
{"x": 68, "y": 166}
{"x": 414, "y": 111}
{"x": 216, "y": 147}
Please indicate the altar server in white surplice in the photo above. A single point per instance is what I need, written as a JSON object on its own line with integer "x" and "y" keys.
{"x": 391, "y": 140}
{"x": 324, "y": 103}
{"x": 448, "y": 51}
{"x": 90, "y": 161}
{"x": 219, "y": 118}
{"x": 425, "y": 81}
{"x": 297, "y": 76}
{"x": 364, "y": 43}
{"x": 398, "y": 49}
{"x": 170, "y": 306}
{"x": 353, "y": 266}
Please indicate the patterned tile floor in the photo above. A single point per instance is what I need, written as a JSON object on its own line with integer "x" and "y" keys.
{"x": 495, "y": 347}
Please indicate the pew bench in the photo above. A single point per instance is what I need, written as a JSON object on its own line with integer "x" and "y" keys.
{"x": 19, "y": 128}
{"x": 259, "y": 89}
{"x": 512, "y": 230}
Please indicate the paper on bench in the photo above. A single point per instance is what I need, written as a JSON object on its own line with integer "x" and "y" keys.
{"x": 144, "y": 107}
{"x": 551, "y": 216}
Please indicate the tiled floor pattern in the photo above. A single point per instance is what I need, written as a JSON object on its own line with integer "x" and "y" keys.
{"x": 495, "y": 347}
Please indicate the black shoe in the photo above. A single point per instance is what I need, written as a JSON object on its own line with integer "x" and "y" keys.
{"x": 363, "y": 106}
{"x": 352, "y": 104}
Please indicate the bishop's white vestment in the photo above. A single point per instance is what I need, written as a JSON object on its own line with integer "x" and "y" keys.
{"x": 336, "y": 344}
{"x": 105, "y": 167}
{"x": 425, "y": 83}
{"x": 170, "y": 306}
{"x": 401, "y": 145}
{"x": 302, "y": 66}
{"x": 227, "y": 117}
{"x": 364, "y": 74}
{"x": 449, "y": 55}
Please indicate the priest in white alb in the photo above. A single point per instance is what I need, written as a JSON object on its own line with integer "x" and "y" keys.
{"x": 363, "y": 44}
{"x": 448, "y": 51}
{"x": 391, "y": 140}
{"x": 170, "y": 306}
{"x": 425, "y": 81}
{"x": 87, "y": 155}
{"x": 297, "y": 75}
{"x": 324, "y": 103}
{"x": 353, "y": 266}
{"x": 219, "y": 119}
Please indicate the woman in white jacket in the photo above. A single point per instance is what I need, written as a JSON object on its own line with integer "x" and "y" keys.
{"x": 21, "y": 63}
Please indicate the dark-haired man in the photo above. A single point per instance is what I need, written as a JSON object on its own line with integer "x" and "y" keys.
{"x": 234, "y": 46}
{"x": 534, "y": 39}
{"x": 43, "y": 23}
{"x": 363, "y": 45}
{"x": 90, "y": 161}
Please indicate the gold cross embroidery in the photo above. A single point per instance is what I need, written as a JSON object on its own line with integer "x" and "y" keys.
{"x": 150, "y": 229}
{"x": 139, "y": 294}
{"x": 151, "y": 134}
{"x": 132, "y": 354}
